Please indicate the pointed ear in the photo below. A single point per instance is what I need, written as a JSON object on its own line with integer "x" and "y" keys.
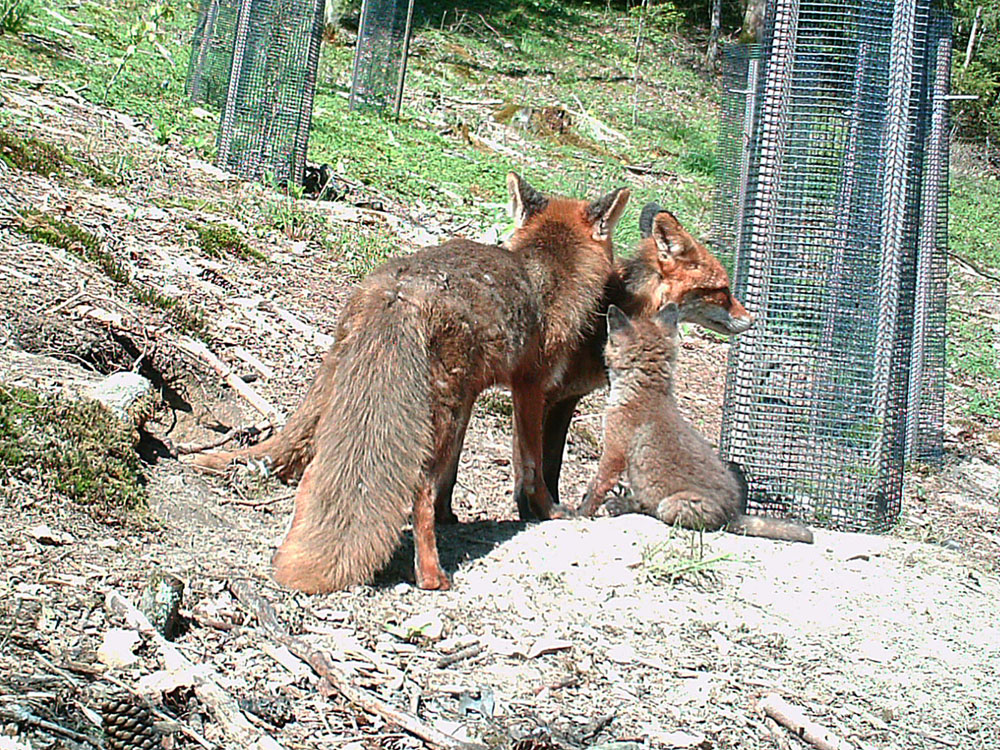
{"x": 668, "y": 317}
{"x": 617, "y": 321}
{"x": 649, "y": 211}
{"x": 605, "y": 212}
{"x": 671, "y": 239}
{"x": 525, "y": 201}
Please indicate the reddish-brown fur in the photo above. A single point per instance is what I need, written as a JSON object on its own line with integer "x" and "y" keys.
{"x": 672, "y": 471}
{"x": 668, "y": 266}
{"x": 416, "y": 344}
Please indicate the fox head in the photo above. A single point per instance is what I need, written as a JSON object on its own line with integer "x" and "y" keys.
{"x": 642, "y": 349}
{"x": 593, "y": 222}
{"x": 672, "y": 266}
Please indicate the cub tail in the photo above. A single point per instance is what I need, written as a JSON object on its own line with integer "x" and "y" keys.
{"x": 371, "y": 445}
{"x": 780, "y": 529}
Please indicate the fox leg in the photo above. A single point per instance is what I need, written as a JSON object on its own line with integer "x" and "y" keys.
{"x": 555, "y": 425}
{"x": 529, "y": 411}
{"x": 608, "y": 471}
{"x": 446, "y": 482}
{"x": 426, "y": 563}
{"x": 554, "y": 430}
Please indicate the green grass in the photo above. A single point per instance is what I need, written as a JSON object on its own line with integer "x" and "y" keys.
{"x": 67, "y": 236}
{"x": 78, "y": 450}
{"x": 974, "y": 337}
{"x": 47, "y": 159}
{"x": 361, "y": 250}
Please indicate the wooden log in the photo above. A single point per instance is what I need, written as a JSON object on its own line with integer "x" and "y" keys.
{"x": 801, "y": 726}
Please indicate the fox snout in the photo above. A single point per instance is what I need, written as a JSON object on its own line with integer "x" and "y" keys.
{"x": 728, "y": 321}
{"x": 736, "y": 325}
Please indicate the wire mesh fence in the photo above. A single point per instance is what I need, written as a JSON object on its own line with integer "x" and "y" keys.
{"x": 380, "y": 56}
{"x": 830, "y": 206}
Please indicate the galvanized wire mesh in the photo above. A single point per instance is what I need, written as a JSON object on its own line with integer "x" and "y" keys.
{"x": 381, "y": 54}
{"x": 212, "y": 52}
{"x": 821, "y": 215}
{"x": 264, "y": 129}
{"x": 925, "y": 412}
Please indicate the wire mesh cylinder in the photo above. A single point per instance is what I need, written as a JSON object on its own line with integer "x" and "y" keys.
{"x": 380, "y": 56}
{"x": 212, "y": 52}
{"x": 823, "y": 228}
{"x": 264, "y": 129}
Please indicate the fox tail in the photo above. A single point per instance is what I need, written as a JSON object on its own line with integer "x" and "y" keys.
{"x": 371, "y": 445}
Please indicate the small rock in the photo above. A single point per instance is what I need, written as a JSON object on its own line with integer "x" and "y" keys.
{"x": 121, "y": 392}
{"x": 116, "y": 650}
{"x": 44, "y": 534}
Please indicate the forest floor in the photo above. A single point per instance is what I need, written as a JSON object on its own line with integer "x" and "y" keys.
{"x": 574, "y": 633}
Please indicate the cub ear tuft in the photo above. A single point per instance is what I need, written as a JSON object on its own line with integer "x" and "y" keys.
{"x": 617, "y": 320}
{"x": 668, "y": 316}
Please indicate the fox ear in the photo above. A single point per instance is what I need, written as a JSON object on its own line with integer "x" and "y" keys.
{"x": 617, "y": 321}
{"x": 671, "y": 239}
{"x": 605, "y": 212}
{"x": 668, "y": 316}
{"x": 525, "y": 201}
{"x": 649, "y": 211}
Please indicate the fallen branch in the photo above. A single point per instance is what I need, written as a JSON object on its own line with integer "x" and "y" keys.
{"x": 267, "y": 618}
{"x": 802, "y": 727}
{"x": 222, "y": 705}
{"x": 973, "y": 266}
{"x": 461, "y": 655}
{"x": 258, "y": 402}
{"x": 184, "y": 449}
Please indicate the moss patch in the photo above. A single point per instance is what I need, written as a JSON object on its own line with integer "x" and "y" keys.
{"x": 77, "y": 240}
{"x": 34, "y": 155}
{"x": 79, "y": 450}
{"x": 218, "y": 240}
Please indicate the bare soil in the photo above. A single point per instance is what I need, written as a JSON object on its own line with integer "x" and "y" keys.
{"x": 588, "y": 631}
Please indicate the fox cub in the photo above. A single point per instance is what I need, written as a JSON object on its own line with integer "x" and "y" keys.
{"x": 672, "y": 471}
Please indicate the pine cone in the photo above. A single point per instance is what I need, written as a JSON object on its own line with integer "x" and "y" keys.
{"x": 128, "y": 725}
{"x": 535, "y": 743}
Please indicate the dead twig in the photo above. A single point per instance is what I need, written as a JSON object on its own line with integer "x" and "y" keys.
{"x": 975, "y": 267}
{"x": 222, "y": 705}
{"x": 267, "y": 618}
{"x": 258, "y": 402}
{"x": 461, "y": 655}
{"x": 797, "y": 723}
{"x": 184, "y": 449}
{"x": 23, "y": 715}
{"x": 258, "y": 503}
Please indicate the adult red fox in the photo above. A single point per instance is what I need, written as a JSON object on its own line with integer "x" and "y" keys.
{"x": 673, "y": 473}
{"x": 669, "y": 266}
{"x": 418, "y": 341}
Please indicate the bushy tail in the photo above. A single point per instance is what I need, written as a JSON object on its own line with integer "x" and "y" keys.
{"x": 293, "y": 447}
{"x": 780, "y": 529}
{"x": 770, "y": 528}
{"x": 371, "y": 443}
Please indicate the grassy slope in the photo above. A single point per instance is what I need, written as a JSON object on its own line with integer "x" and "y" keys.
{"x": 531, "y": 54}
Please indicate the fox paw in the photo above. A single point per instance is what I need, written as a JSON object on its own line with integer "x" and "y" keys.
{"x": 432, "y": 580}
